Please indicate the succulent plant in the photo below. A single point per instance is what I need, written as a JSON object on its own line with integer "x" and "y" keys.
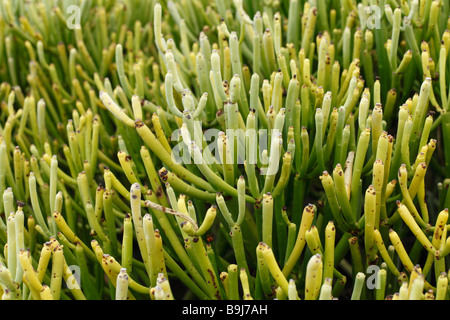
{"x": 196, "y": 149}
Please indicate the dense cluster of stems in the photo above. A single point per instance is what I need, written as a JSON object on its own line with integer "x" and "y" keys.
{"x": 228, "y": 149}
